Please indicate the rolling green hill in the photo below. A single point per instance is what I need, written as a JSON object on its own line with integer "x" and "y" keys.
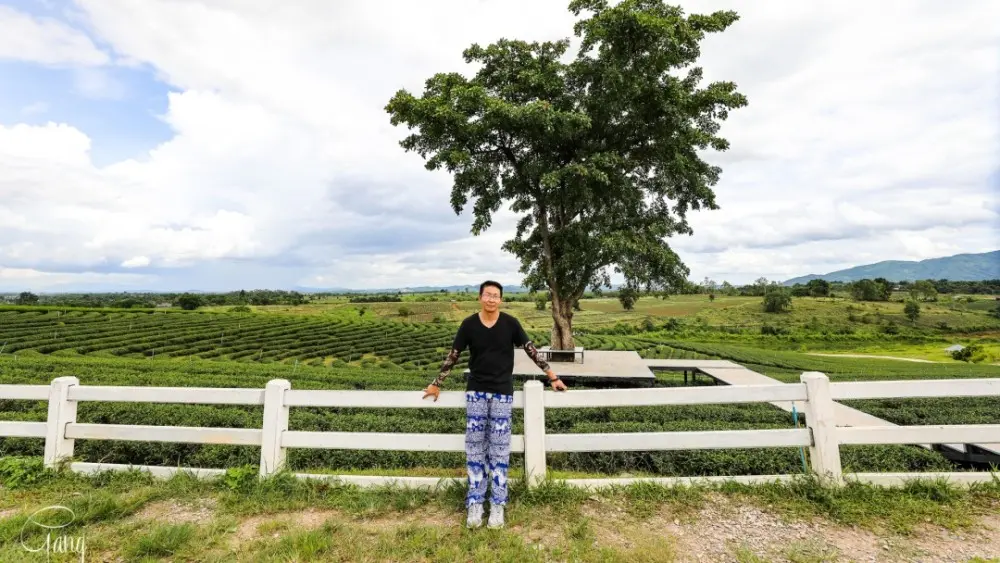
{"x": 960, "y": 267}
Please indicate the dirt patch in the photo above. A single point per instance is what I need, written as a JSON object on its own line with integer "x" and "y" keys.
{"x": 175, "y": 512}
{"x": 983, "y": 541}
{"x": 7, "y": 513}
{"x": 422, "y": 517}
{"x": 739, "y": 528}
{"x": 264, "y": 525}
{"x": 620, "y": 535}
{"x": 272, "y": 526}
{"x": 538, "y": 527}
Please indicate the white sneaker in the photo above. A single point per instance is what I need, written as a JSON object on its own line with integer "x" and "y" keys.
{"x": 475, "y": 518}
{"x": 496, "y": 516}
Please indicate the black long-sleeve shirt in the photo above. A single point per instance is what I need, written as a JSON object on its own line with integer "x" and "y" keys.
{"x": 491, "y": 361}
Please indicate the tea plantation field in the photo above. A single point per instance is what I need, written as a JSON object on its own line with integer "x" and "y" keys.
{"x": 309, "y": 340}
{"x": 219, "y": 349}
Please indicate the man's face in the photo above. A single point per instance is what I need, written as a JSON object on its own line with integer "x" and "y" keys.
{"x": 490, "y": 298}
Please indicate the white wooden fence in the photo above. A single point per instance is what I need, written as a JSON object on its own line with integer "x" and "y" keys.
{"x": 814, "y": 396}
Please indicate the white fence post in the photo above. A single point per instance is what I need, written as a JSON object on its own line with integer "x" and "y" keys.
{"x": 272, "y": 455}
{"x": 62, "y": 411}
{"x": 821, "y": 419}
{"x": 534, "y": 432}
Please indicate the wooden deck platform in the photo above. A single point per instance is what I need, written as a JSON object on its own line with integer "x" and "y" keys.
{"x": 732, "y": 373}
{"x": 596, "y": 364}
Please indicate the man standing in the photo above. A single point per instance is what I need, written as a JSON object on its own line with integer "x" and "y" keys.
{"x": 489, "y": 397}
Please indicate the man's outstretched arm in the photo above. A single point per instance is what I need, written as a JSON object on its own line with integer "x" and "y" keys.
{"x": 529, "y": 348}
{"x": 459, "y": 344}
{"x": 449, "y": 363}
{"x": 557, "y": 384}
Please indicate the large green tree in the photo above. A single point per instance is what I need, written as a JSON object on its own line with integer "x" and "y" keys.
{"x": 598, "y": 154}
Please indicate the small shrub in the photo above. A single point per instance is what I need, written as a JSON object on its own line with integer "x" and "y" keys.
{"x": 21, "y": 471}
{"x": 973, "y": 353}
{"x": 777, "y": 300}
{"x": 241, "y": 479}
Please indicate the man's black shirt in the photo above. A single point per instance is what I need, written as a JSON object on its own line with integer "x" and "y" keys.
{"x": 491, "y": 350}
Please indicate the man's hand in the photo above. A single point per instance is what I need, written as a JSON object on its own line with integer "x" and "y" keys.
{"x": 432, "y": 391}
{"x": 554, "y": 380}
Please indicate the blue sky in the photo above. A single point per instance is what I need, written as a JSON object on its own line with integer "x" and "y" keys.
{"x": 222, "y": 145}
{"x": 118, "y": 107}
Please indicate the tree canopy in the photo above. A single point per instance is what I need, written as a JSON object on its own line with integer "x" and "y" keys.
{"x": 597, "y": 154}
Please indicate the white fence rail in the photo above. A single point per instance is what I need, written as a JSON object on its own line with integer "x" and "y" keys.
{"x": 815, "y": 394}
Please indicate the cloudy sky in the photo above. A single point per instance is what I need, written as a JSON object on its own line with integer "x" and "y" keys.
{"x": 226, "y": 144}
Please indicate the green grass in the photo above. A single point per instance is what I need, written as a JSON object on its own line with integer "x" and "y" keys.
{"x": 281, "y": 518}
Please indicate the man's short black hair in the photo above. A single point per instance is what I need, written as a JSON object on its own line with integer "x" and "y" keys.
{"x": 486, "y": 283}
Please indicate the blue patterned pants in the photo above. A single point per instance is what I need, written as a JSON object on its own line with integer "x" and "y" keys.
{"x": 487, "y": 445}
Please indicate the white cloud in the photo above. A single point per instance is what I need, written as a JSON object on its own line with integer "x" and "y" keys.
{"x": 27, "y": 279}
{"x": 870, "y": 133}
{"x": 136, "y": 262}
{"x": 45, "y": 40}
{"x": 53, "y": 143}
{"x": 453, "y": 262}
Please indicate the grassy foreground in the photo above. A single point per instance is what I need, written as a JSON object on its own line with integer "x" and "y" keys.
{"x": 132, "y": 517}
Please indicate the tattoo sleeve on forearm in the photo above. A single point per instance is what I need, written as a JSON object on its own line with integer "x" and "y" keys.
{"x": 449, "y": 363}
{"x": 529, "y": 347}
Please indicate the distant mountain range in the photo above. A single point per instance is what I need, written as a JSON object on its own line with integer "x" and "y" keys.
{"x": 960, "y": 267}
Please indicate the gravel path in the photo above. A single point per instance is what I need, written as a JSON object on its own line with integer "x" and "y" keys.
{"x": 874, "y": 356}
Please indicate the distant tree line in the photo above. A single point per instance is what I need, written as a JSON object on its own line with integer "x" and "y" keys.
{"x": 778, "y": 296}
{"x": 186, "y": 300}
{"x": 376, "y": 298}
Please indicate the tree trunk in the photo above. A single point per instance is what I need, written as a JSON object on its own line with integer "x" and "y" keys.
{"x": 562, "y": 328}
